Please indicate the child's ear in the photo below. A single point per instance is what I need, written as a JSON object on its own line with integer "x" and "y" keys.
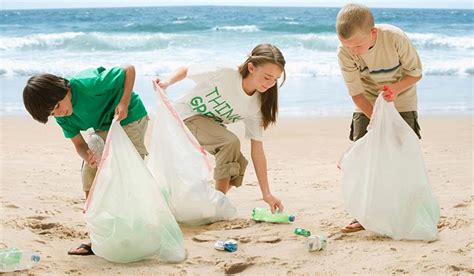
{"x": 373, "y": 31}
{"x": 250, "y": 67}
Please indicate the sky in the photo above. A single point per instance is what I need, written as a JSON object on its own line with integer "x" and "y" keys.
{"x": 51, "y": 4}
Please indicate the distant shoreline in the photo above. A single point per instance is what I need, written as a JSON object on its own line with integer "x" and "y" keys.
{"x": 300, "y": 97}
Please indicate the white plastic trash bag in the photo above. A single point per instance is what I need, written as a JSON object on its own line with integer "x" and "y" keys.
{"x": 385, "y": 184}
{"x": 181, "y": 165}
{"x": 126, "y": 212}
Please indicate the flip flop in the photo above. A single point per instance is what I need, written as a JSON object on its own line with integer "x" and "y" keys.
{"x": 87, "y": 247}
{"x": 352, "y": 229}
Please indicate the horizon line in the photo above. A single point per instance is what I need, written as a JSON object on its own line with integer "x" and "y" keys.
{"x": 230, "y": 5}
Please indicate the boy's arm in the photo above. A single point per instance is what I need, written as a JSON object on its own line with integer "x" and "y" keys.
{"x": 363, "y": 104}
{"x": 176, "y": 76}
{"x": 83, "y": 150}
{"x": 260, "y": 164}
{"x": 411, "y": 67}
{"x": 352, "y": 78}
{"x": 399, "y": 87}
{"x": 389, "y": 94}
{"x": 121, "y": 111}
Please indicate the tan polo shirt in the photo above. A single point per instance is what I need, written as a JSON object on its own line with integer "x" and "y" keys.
{"x": 391, "y": 58}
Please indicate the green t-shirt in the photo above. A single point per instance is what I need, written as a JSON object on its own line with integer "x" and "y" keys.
{"x": 96, "y": 93}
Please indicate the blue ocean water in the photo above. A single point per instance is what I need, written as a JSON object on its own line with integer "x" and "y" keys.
{"x": 159, "y": 39}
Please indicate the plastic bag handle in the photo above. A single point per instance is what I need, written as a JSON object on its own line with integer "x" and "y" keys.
{"x": 164, "y": 98}
{"x": 105, "y": 153}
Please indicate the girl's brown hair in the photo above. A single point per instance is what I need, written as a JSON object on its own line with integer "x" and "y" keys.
{"x": 260, "y": 55}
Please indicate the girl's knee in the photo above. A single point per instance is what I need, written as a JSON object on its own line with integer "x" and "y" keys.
{"x": 232, "y": 141}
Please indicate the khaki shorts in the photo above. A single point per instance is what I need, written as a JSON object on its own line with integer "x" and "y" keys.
{"x": 360, "y": 122}
{"x": 135, "y": 131}
{"x": 223, "y": 144}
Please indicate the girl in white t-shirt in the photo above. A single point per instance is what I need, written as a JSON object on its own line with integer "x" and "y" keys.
{"x": 224, "y": 95}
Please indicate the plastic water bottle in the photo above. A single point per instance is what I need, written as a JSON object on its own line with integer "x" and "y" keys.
{"x": 316, "y": 243}
{"x": 12, "y": 259}
{"x": 302, "y": 232}
{"x": 96, "y": 143}
{"x": 261, "y": 214}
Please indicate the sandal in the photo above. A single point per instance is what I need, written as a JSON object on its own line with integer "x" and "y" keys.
{"x": 77, "y": 251}
{"x": 350, "y": 229}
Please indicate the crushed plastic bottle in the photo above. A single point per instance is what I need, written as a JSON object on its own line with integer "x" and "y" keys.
{"x": 316, "y": 243}
{"x": 229, "y": 245}
{"x": 13, "y": 259}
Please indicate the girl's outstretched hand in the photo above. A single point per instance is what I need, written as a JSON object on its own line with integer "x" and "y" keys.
{"x": 162, "y": 84}
{"x": 275, "y": 203}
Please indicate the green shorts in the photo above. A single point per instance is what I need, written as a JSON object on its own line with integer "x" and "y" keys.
{"x": 360, "y": 122}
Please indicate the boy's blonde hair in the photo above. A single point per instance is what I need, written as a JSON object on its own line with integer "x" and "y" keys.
{"x": 352, "y": 18}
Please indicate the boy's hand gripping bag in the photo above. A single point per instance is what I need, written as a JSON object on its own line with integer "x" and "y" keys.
{"x": 384, "y": 182}
{"x": 126, "y": 213}
{"x": 181, "y": 165}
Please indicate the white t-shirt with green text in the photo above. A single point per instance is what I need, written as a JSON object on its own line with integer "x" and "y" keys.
{"x": 218, "y": 94}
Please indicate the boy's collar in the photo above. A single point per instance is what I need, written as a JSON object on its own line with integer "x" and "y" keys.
{"x": 73, "y": 99}
{"x": 371, "y": 48}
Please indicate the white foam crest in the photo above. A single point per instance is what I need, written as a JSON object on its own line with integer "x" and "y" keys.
{"x": 299, "y": 61}
{"x": 241, "y": 29}
{"x": 323, "y": 42}
{"x": 37, "y": 40}
{"x": 440, "y": 41}
{"x": 94, "y": 41}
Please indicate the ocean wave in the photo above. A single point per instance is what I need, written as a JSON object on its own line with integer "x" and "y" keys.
{"x": 39, "y": 41}
{"x": 450, "y": 71}
{"x": 240, "y": 29}
{"x": 310, "y": 55}
{"x": 316, "y": 42}
{"x": 183, "y": 17}
{"x": 302, "y": 64}
{"x": 294, "y": 27}
{"x": 125, "y": 41}
{"x": 423, "y": 42}
{"x": 76, "y": 41}
{"x": 146, "y": 63}
{"x": 432, "y": 41}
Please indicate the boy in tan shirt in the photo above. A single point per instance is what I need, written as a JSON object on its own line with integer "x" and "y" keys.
{"x": 371, "y": 57}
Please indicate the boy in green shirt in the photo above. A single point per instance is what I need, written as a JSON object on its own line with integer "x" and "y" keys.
{"x": 89, "y": 99}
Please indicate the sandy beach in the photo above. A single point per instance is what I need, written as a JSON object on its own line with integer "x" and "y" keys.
{"x": 41, "y": 206}
{"x": 41, "y": 197}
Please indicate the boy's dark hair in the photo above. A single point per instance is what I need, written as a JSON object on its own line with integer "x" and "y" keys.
{"x": 42, "y": 93}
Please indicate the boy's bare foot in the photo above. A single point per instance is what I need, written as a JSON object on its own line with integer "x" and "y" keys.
{"x": 82, "y": 250}
{"x": 354, "y": 226}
